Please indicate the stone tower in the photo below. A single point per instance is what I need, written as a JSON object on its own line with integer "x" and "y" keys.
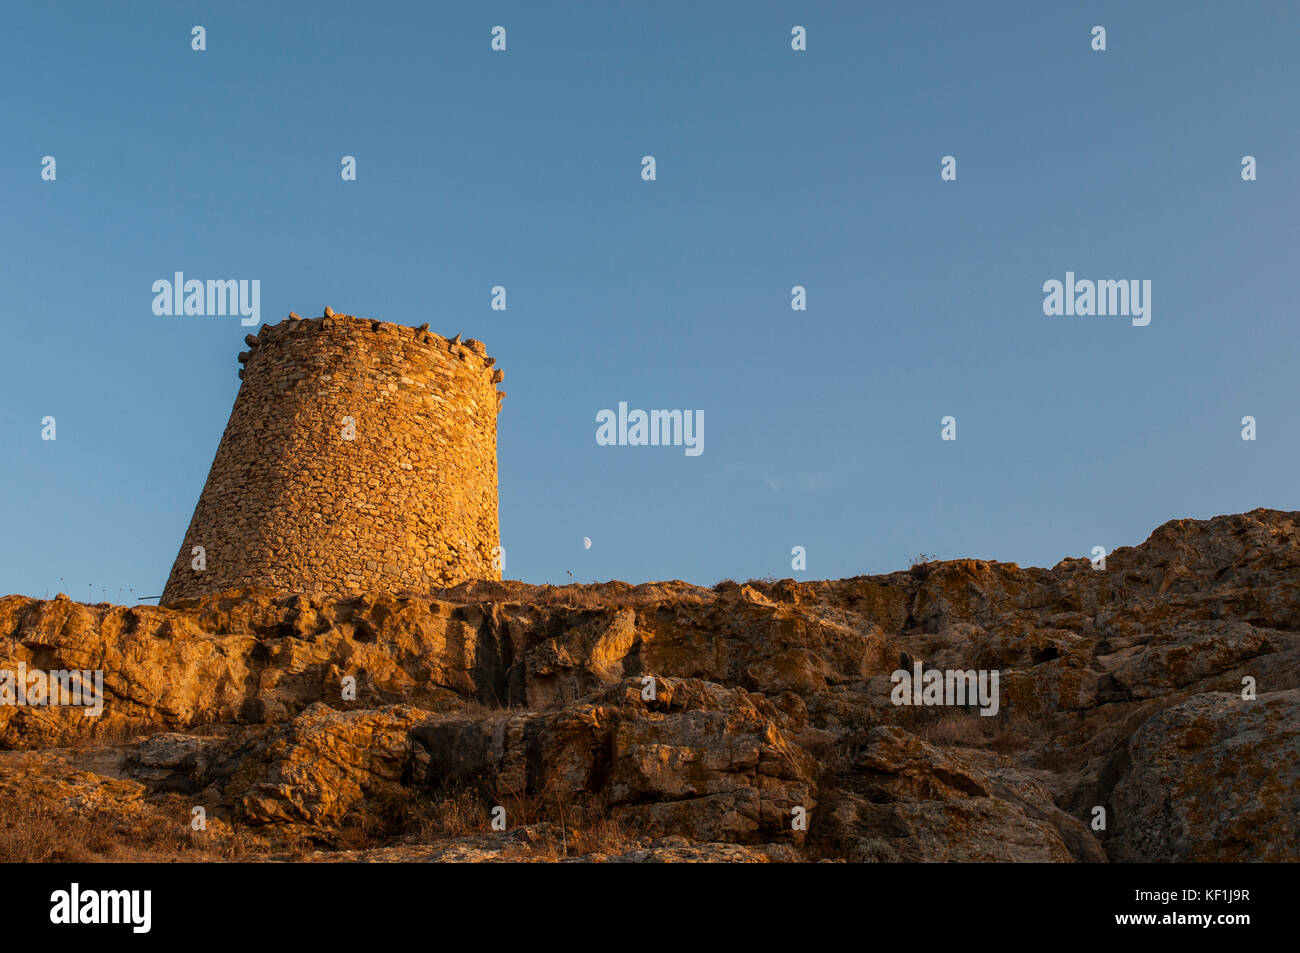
{"x": 360, "y": 455}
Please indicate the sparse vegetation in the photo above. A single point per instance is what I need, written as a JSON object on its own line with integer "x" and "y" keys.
{"x": 1006, "y": 734}
{"x": 45, "y": 831}
{"x": 595, "y": 595}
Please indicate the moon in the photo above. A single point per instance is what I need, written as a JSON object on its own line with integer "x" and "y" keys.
{"x": 586, "y": 542}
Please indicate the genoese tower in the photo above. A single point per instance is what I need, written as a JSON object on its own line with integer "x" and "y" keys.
{"x": 360, "y": 455}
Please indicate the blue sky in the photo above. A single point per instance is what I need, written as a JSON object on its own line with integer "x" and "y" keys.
{"x": 775, "y": 168}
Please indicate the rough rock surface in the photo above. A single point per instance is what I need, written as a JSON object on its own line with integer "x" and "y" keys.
{"x": 1211, "y": 782}
{"x": 672, "y": 723}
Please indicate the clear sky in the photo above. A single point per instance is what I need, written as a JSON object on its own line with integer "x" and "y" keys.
{"x": 775, "y": 168}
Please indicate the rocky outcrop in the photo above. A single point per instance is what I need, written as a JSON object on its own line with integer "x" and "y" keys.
{"x": 698, "y": 759}
{"x": 1213, "y": 779}
{"x": 901, "y": 799}
{"x": 1147, "y": 711}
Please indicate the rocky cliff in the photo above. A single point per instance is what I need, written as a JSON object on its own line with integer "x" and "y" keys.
{"x": 1147, "y": 711}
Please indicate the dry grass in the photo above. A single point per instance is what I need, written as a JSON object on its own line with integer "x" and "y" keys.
{"x": 44, "y": 830}
{"x": 416, "y": 816}
{"x": 602, "y": 835}
{"x": 41, "y": 831}
{"x": 957, "y": 728}
{"x": 585, "y": 826}
{"x": 456, "y": 815}
{"x": 595, "y": 595}
{"x": 1005, "y": 733}
{"x": 573, "y": 828}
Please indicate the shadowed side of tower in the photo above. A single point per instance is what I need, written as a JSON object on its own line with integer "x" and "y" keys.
{"x": 360, "y": 455}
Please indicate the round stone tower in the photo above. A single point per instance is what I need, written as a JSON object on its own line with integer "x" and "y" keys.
{"x": 360, "y": 455}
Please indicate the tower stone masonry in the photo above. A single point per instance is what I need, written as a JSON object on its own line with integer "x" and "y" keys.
{"x": 360, "y": 455}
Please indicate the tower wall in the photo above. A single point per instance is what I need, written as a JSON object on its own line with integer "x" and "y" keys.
{"x": 408, "y": 503}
